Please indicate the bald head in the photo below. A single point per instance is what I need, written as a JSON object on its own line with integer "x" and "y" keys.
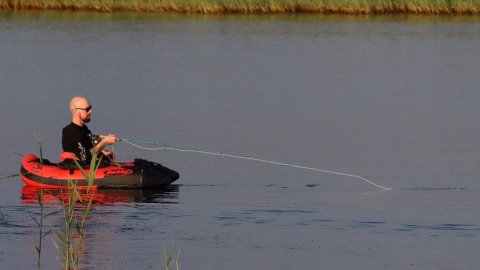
{"x": 81, "y": 110}
{"x": 78, "y": 102}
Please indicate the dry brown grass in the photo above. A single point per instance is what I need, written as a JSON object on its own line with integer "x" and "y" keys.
{"x": 428, "y": 7}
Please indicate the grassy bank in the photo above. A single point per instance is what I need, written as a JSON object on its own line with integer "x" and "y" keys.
{"x": 428, "y": 7}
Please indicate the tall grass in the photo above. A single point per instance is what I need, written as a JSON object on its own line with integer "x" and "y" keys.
{"x": 70, "y": 239}
{"x": 9, "y": 175}
{"x": 257, "y": 6}
{"x": 76, "y": 210}
{"x": 172, "y": 258}
{"x": 42, "y": 214}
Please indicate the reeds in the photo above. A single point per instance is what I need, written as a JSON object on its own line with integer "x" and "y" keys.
{"x": 76, "y": 210}
{"x": 172, "y": 258}
{"x": 70, "y": 240}
{"x": 42, "y": 215}
{"x": 428, "y": 7}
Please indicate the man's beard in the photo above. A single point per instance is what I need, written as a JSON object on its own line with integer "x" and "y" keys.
{"x": 87, "y": 119}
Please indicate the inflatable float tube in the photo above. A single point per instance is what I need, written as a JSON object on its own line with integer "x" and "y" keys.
{"x": 137, "y": 174}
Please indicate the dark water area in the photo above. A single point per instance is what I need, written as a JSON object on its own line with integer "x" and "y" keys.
{"x": 391, "y": 98}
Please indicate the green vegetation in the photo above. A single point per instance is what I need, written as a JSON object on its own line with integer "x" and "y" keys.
{"x": 70, "y": 241}
{"x": 170, "y": 259}
{"x": 76, "y": 210}
{"x": 9, "y": 175}
{"x": 42, "y": 214}
{"x": 447, "y": 7}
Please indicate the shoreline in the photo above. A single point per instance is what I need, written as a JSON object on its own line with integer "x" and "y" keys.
{"x": 348, "y": 7}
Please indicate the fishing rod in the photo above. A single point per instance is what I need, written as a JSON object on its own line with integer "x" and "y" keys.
{"x": 136, "y": 143}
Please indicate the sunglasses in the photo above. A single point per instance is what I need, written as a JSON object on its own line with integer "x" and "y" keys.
{"x": 89, "y": 108}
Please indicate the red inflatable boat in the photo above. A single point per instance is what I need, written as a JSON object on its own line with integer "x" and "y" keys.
{"x": 137, "y": 174}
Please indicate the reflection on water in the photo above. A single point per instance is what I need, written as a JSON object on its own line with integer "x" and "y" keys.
{"x": 103, "y": 196}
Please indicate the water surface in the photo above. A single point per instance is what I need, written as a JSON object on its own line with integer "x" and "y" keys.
{"x": 393, "y": 99}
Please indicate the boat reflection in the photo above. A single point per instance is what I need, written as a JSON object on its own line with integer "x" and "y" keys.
{"x": 103, "y": 196}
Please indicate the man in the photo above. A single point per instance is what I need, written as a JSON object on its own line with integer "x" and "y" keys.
{"x": 76, "y": 137}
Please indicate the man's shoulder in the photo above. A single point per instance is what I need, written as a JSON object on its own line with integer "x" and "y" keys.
{"x": 73, "y": 126}
{"x": 68, "y": 126}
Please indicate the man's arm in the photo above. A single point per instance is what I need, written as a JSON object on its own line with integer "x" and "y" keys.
{"x": 106, "y": 140}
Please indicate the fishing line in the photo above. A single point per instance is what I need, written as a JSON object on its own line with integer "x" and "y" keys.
{"x": 168, "y": 147}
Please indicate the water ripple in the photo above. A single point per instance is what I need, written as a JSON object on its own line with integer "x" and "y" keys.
{"x": 440, "y": 227}
{"x": 261, "y": 216}
{"x": 459, "y": 229}
{"x": 437, "y": 188}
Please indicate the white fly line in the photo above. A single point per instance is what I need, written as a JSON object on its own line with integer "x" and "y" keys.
{"x": 168, "y": 147}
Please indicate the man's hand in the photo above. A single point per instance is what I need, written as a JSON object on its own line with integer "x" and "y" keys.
{"x": 109, "y": 154}
{"x": 106, "y": 140}
{"x": 109, "y": 139}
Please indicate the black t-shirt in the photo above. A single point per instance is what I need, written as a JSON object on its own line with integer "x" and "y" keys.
{"x": 76, "y": 139}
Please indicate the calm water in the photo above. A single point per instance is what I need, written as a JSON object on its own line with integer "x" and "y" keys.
{"x": 393, "y": 99}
